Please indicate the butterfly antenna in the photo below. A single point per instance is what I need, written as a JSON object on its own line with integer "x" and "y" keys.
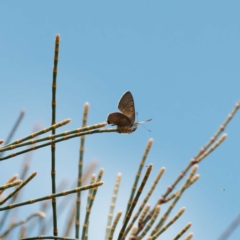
{"x": 145, "y": 128}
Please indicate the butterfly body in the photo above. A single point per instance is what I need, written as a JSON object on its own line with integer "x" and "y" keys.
{"x": 124, "y": 120}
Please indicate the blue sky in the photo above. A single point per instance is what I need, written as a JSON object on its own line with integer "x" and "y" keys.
{"x": 180, "y": 60}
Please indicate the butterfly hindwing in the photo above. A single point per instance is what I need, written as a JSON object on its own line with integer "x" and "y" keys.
{"x": 126, "y": 106}
{"x": 118, "y": 119}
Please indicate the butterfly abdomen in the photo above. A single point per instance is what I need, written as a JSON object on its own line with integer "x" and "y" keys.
{"x": 125, "y": 129}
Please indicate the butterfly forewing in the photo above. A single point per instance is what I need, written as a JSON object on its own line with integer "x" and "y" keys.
{"x": 118, "y": 119}
{"x": 126, "y": 106}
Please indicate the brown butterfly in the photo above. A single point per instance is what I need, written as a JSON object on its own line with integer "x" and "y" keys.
{"x": 125, "y": 121}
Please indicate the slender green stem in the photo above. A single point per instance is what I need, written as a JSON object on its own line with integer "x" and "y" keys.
{"x": 115, "y": 222}
{"x": 23, "y": 175}
{"x": 112, "y": 205}
{"x": 135, "y": 200}
{"x": 14, "y": 129}
{"x": 52, "y": 196}
{"x": 43, "y": 224}
{"x": 144, "y": 213}
{"x": 80, "y": 166}
{"x": 70, "y": 220}
{"x": 23, "y": 231}
{"x": 53, "y": 146}
{"x": 33, "y": 135}
{"x": 62, "y": 204}
{"x": 234, "y": 224}
{"x": 90, "y": 192}
{"x": 90, "y": 200}
{"x": 149, "y": 225}
{"x": 183, "y": 231}
{"x": 188, "y": 237}
{"x": 141, "y": 223}
{"x": 72, "y": 216}
{"x": 13, "y": 225}
{"x": 59, "y": 140}
{"x": 191, "y": 163}
{"x": 174, "y": 219}
{"x": 10, "y": 180}
{"x": 19, "y": 187}
{"x": 212, "y": 148}
{"x": 48, "y": 237}
{"x": 148, "y": 147}
{"x": 51, "y": 137}
{"x": 193, "y": 180}
{"x": 5, "y": 186}
{"x": 89, "y": 207}
{"x": 198, "y": 156}
{"x": 156, "y": 232}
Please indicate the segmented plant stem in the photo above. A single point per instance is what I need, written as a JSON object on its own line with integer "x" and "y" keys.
{"x": 80, "y": 166}
{"x": 53, "y": 149}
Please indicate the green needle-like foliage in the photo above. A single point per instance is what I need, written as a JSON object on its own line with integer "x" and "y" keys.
{"x": 51, "y": 137}
{"x": 16, "y": 125}
{"x": 115, "y": 222}
{"x": 148, "y": 147}
{"x": 53, "y": 196}
{"x": 178, "y": 215}
{"x": 141, "y": 223}
{"x": 203, "y": 153}
{"x": 112, "y": 205}
{"x": 183, "y": 231}
{"x": 151, "y": 222}
{"x": 134, "y": 202}
{"x": 33, "y": 135}
{"x": 91, "y": 198}
{"x": 19, "y": 187}
{"x": 188, "y": 237}
{"x": 157, "y": 230}
{"x": 60, "y": 140}
{"x": 80, "y": 167}
{"x": 10, "y": 185}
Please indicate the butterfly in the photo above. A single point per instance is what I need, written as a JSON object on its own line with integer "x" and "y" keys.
{"x": 125, "y": 119}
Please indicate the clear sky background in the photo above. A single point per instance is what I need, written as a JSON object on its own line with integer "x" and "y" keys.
{"x": 180, "y": 60}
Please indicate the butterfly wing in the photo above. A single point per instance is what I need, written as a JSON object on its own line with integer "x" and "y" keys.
{"x": 126, "y": 106}
{"x": 118, "y": 119}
